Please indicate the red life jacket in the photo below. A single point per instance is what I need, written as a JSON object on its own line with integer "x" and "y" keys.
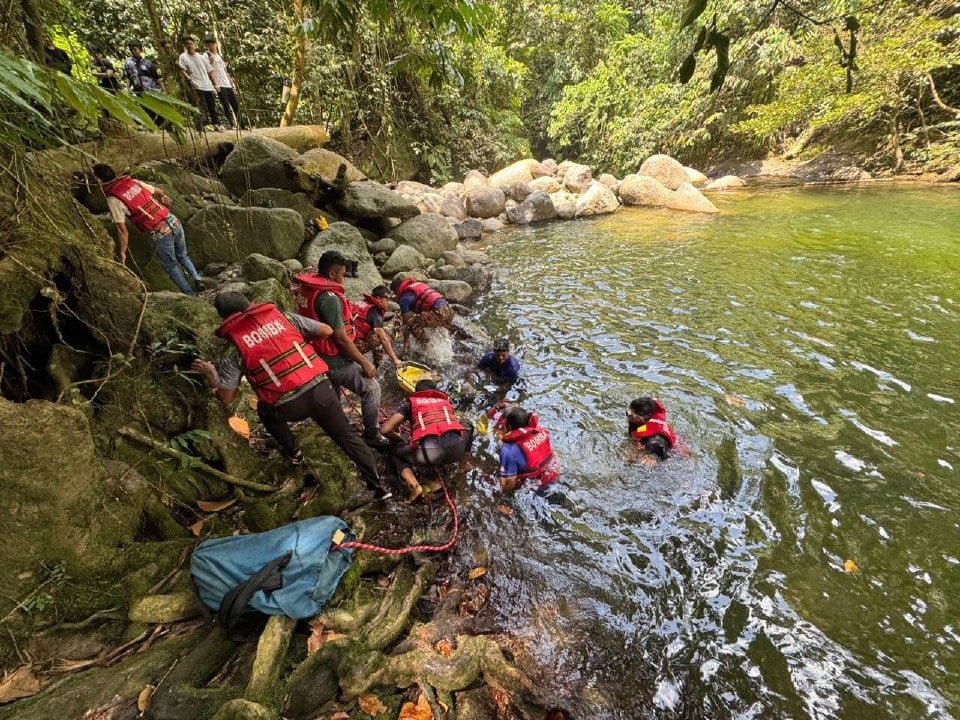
{"x": 360, "y": 311}
{"x": 276, "y": 358}
{"x": 499, "y": 413}
{"x": 431, "y": 414}
{"x": 534, "y": 441}
{"x": 656, "y": 425}
{"x": 310, "y": 287}
{"x": 145, "y": 212}
{"x": 426, "y": 295}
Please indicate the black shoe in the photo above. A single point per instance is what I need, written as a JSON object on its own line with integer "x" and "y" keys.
{"x": 377, "y": 441}
{"x": 198, "y": 285}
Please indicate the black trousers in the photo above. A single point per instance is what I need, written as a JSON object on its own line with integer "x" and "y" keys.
{"x": 450, "y": 448}
{"x": 231, "y": 106}
{"x": 322, "y": 405}
{"x": 208, "y": 106}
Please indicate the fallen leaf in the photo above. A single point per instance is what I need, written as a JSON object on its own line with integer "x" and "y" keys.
{"x": 420, "y": 711}
{"x": 143, "y": 699}
{"x": 239, "y": 426}
{"x": 340, "y": 716}
{"x": 316, "y": 637}
{"x": 735, "y": 401}
{"x": 371, "y": 705}
{"x": 25, "y": 575}
{"x": 920, "y": 475}
{"x": 196, "y": 528}
{"x": 445, "y": 648}
{"x": 850, "y": 566}
{"x": 477, "y": 572}
{"x": 22, "y": 682}
{"x": 215, "y": 505}
{"x": 504, "y": 509}
{"x": 648, "y": 460}
{"x": 253, "y": 403}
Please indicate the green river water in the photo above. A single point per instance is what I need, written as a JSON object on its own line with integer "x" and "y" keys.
{"x": 805, "y": 343}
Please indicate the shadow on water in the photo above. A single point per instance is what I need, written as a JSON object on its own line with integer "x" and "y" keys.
{"x": 804, "y": 342}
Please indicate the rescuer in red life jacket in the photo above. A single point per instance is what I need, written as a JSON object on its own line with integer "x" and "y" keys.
{"x": 368, "y": 322}
{"x": 146, "y": 207}
{"x": 647, "y": 420}
{"x": 526, "y": 452}
{"x": 438, "y": 436}
{"x": 420, "y": 307}
{"x": 290, "y": 379}
{"x": 321, "y": 297}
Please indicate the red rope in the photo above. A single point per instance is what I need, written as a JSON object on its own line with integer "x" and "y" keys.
{"x": 414, "y": 548}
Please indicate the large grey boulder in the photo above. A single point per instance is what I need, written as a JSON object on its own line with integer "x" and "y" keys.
{"x": 410, "y": 187}
{"x": 519, "y": 191}
{"x": 688, "y": 198}
{"x": 665, "y": 169}
{"x": 473, "y": 257}
{"x": 538, "y": 207}
{"x": 430, "y": 234}
{"x": 566, "y": 211}
{"x": 609, "y": 180}
{"x": 485, "y": 202}
{"x": 546, "y": 183}
{"x": 473, "y": 180}
{"x": 456, "y": 291}
{"x": 180, "y": 179}
{"x": 453, "y": 206}
{"x": 451, "y": 257}
{"x": 727, "y": 182}
{"x": 518, "y": 172}
{"x": 643, "y": 190}
{"x": 348, "y": 240}
{"x": 403, "y": 260}
{"x": 576, "y": 177}
{"x": 271, "y": 291}
{"x": 383, "y": 245}
{"x": 259, "y": 162}
{"x": 319, "y": 163}
{"x": 260, "y": 267}
{"x": 371, "y": 200}
{"x": 227, "y": 233}
{"x": 470, "y": 229}
{"x": 492, "y": 225}
{"x": 274, "y": 197}
{"x": 597, "y": 200}
{"x": 550, "y": 165}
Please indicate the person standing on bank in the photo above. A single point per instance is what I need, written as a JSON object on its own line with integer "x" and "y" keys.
{"x": 289, "y": 378}
{"x": 226, "y": 87}
{"x": 146, "y": 207}
{"x": 321, "y": 298}
{"x": 141, "y": 72}
{"x": 196, "y": 69}
{"x": 103, "y": 70}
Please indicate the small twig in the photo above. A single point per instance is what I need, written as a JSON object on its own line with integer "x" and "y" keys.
{"x": 176, "y": 571}
{"x": 22, "y": 604}
{"x": 108, "y": 614}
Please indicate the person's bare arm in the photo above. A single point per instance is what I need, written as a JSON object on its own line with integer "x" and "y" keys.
{"x": 389, "y": 427}
{"x": 325, "y": 331}
{"x": 209, "y": 371}
{"x": 388, "y": 346}
{"x": 124, "y": 237}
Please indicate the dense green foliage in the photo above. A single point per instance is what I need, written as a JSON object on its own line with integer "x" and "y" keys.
{"x": 430, "y": 88}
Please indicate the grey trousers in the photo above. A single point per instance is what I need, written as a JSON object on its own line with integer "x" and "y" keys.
{"x": 352, "y": 378}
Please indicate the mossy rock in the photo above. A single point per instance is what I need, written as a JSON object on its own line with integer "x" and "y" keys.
{"x": 336, "y": 475}
{"x": 228, "y": 233}
{"x": 270, "y": 291}
{"x": 180, "y": 179}
{"x": 275, "y": 197}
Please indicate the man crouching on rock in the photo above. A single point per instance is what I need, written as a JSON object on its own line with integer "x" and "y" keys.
{"x": 286, "y": 373}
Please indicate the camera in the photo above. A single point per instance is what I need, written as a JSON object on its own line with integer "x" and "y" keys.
{"x": 353, "y": 268}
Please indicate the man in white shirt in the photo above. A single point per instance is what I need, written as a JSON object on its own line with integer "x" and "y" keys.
{"x": 224, "y": 82}
{"x": 196, "y": 69}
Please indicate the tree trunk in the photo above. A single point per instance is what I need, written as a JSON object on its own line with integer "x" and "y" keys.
{"x": 33, "y": 28}
{"x": 299, "y": 65}
{"x": 167, "y": 52}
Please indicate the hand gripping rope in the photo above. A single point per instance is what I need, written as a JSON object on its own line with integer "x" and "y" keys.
{"x": 414, "y": 548}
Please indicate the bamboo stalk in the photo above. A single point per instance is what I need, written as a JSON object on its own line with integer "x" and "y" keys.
{"x": 199, "y": 464}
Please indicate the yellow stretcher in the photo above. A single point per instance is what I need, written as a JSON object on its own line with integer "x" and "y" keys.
{"x": 410, "y": 373}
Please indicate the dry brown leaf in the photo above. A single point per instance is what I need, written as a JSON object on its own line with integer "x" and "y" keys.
{"x": 316, "y": 637}
{"x": 22, "y": 682}
{"x": 215, "y": 505}
{"x": 420, "y": 711}
{"x": 253, "y": 403}
{"x": 735, "y": 401}
{"x": 445, "y": 648}
{"x": 143, "y": 699}
{"x": 239, "y": 426}
{"x": 504, "y": 509}
{"x": 196, "y": 528}
{"x": 477, "y": 572}
{"x": 371, "y": 705}
{"x": 25, "y": 575}
{"x": 648, "y": 460}
{"x": 850, "y": 566}
{"x": 340, "y": 716}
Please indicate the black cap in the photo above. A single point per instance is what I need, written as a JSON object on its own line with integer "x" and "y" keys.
{"x": 135, "y": 44}
{"x": 501, "y": 345}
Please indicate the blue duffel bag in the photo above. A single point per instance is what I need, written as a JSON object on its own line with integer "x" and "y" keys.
{"x": 288, "y": 571}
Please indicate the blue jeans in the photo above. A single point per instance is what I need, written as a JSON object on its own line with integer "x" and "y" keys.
{"x": 171, "y": 249}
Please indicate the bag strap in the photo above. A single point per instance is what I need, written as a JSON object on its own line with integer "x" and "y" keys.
{"x": 236, "y": 601}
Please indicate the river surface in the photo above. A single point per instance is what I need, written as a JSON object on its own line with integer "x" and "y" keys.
{"x": 805, "y": 343}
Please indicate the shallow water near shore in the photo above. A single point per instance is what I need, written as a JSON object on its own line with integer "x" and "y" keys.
{"x": 804, "y": 342}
